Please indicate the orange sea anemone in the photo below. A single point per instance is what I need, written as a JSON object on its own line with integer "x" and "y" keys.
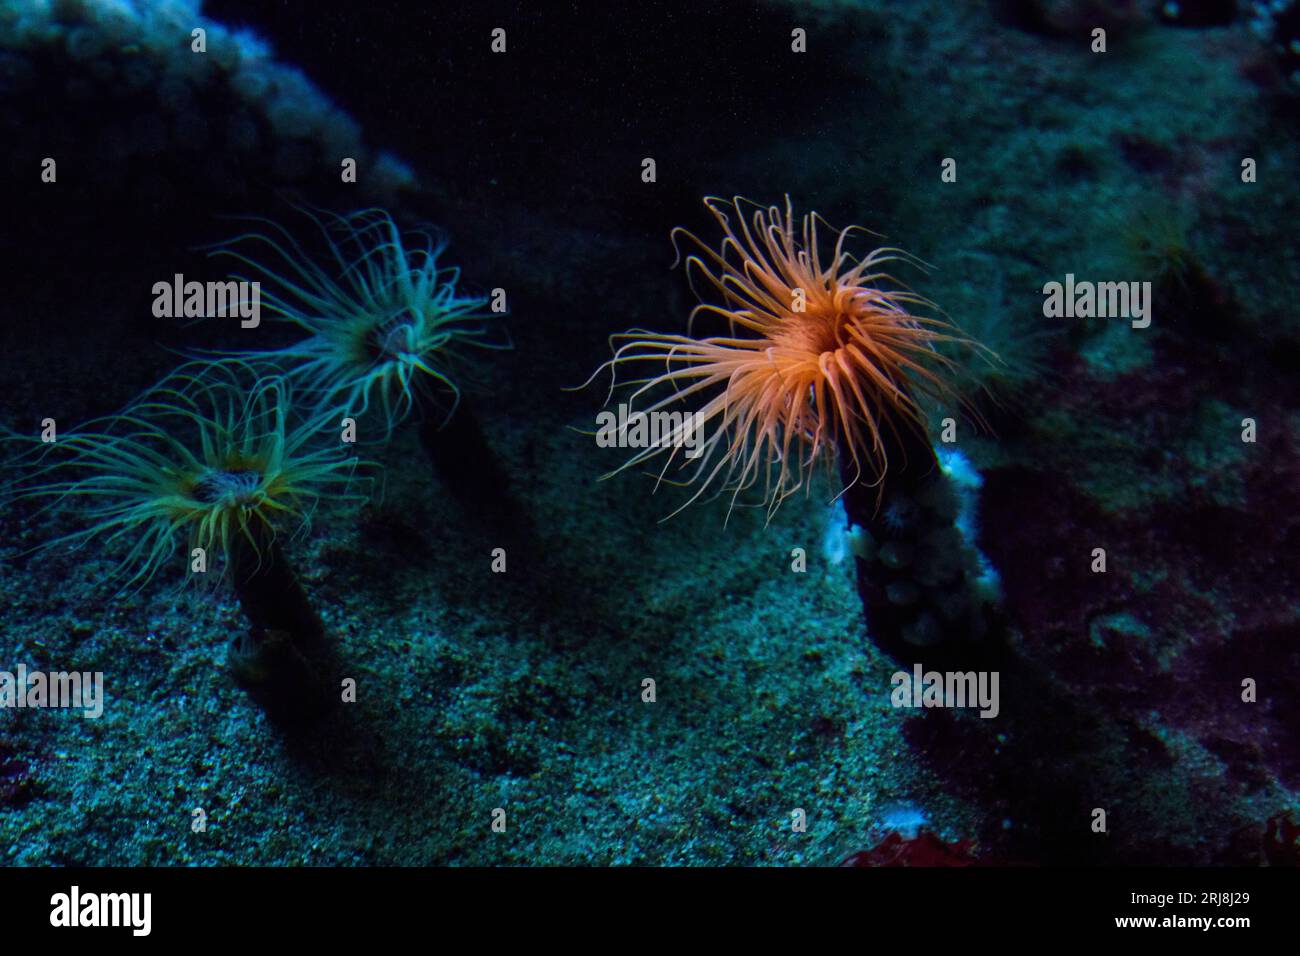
{"x": 825, "y": 355}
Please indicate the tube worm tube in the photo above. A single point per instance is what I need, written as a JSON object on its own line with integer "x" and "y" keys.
{"x": 284, "y": 661}
{"x": 464, "y": 461}
{"x": 917, "y": 575}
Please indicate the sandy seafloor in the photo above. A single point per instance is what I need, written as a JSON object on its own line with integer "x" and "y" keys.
{"x": 522, "y": 690}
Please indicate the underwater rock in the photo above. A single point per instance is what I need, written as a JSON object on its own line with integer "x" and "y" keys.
{"x": 1198, "y": 13}
{"x": 923, "y": 849}
{"x": 160, "y": 75}
{"x": 17, "y": 785}
{"x": 1282, "y": 840}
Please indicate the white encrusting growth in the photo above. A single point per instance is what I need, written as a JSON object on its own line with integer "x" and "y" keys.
{"x": 151, "y": 46}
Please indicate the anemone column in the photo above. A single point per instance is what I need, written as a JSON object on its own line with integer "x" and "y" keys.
{"x": 284, "y": 660}
{"x": 269, "y": 591}
{"x": 465, "y": 462}
{"x": 460, "y": 454}
{"x": 918, "y": 577}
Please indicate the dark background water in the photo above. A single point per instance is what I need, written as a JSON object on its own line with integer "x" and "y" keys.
{"x": 583, "y": 94}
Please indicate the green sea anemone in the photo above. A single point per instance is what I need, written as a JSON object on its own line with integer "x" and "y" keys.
{"x": 385, "y": 324}
{"x": 210, "y": 457}
{"x": 1158, "y": 239}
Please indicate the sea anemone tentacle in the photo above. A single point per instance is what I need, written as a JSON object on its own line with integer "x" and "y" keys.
{"x": 826, "y": 356}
